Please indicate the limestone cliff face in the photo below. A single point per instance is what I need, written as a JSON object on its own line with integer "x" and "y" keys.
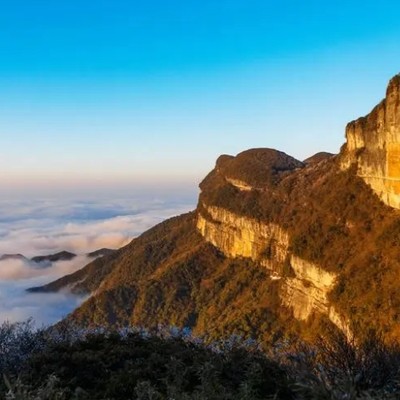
{"x": 261, "y": 205}
{"x": 373, "y": 146}
{"x": 238, "y": 236}
{"x": 304, "y": 287}
{"x": 307, "y": 291}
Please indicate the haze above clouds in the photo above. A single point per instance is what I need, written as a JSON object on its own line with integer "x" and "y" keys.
{"x": 46, "y": 226}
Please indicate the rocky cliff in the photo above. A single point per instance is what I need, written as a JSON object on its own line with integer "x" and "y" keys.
{"x": 305, "y": 289}
{"x": 275, "y": 247}
{"x": 373, "y": 145}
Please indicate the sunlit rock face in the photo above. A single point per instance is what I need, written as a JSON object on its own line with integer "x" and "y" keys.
{"x": 305, "y": 289}
{"x": 239, "y": 236}
{"x": 373, "y": 146}
{"x": 372, "y": 151}
{"x": 308, "y": 290}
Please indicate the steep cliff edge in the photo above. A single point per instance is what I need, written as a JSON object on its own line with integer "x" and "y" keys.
{"x": 305, "y": 286}
{"x": 313, "y": 224}
{"x": 318, "y": 230}
{"x": 373, "y": 145}
{"x": 275, "y": 247}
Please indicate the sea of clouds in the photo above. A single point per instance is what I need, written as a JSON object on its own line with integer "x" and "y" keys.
{"x": 47, "y": 226}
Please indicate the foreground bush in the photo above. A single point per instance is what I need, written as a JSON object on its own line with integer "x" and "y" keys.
{"x": 135, "y": 365}
{"x": 69, "y": 363}
{"x": 338, "y": 368}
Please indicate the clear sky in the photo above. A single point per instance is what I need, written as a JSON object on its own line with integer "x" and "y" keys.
{"x": 95, "y": 92}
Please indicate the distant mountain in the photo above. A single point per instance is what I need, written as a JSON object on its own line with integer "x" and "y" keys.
{"x": 276, "y": 246}
{"x": 101, "y": 252}
{"x": 61, "y": 256}
{"x": 67, "y": 256}
{"x": 84, "y": 280}
{"x": 47, "y": 260}
{"x": 6, "y": 257}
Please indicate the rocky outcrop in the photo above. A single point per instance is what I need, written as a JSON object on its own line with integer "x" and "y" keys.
{"x": 305, "y": 286}
{"x": 373, "y": 146}
{"x": 256, "y": 168}
{"x": 239, "y": 236}
{"x": 307, "y": 291}
{"x": 372, "y": 150}
{"x": 241, "y": 185}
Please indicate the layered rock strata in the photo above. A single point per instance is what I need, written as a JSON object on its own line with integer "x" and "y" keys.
{"x": 373, "y": 146}
{"x": 305, "y": 286}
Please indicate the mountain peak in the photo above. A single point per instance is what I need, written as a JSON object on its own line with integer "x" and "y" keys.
{"x": 318, "y": 157}
{"x": 393, "y": 87}
{"x": 373, "y": 146}
{"x": 257, "y": 168}
{"x": 60, "y": 256}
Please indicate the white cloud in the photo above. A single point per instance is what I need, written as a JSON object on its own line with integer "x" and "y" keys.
{"x": 48, "y": 226}
{"x": 20, "y": 270}
{"x": 18, "y": 305}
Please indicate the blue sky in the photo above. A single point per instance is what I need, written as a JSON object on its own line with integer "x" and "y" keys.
{"x": 106, "y": 93}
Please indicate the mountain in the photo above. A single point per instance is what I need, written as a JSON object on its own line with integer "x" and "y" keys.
{"x": 101, "y": 252}
{"x": 40, "y": 261}
{"x": 61, "y": 256}
{"x": 6, "y": 257}
{"x": 373, "y": 146}
{"x": 275, "y": 247}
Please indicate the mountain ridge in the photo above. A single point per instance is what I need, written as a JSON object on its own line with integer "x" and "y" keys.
{"x": 275, "y": 247}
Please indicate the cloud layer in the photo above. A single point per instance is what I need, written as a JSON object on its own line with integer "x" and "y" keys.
{"x": 48, "y": 226}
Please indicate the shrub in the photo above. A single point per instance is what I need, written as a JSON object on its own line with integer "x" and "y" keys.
{"x": 68, "y": 363}
{"x": 338, "y": 368}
